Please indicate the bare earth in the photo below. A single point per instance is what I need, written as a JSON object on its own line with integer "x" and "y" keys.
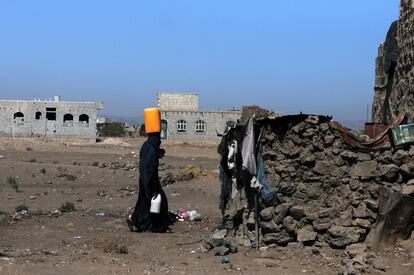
{"x": 82, "y": 242}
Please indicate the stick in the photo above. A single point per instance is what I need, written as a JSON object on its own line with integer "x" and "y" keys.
{"x": 257, "y": 226}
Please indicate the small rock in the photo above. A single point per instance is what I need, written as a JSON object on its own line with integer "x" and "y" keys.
{"x": 380, "y": 264}
{"x": 316, "y": 251}
{"x": 221, "y": 251}
{"x": 220, "y": 235}
{"x": 408, "y": 190}
{"x": 355, "y": 249}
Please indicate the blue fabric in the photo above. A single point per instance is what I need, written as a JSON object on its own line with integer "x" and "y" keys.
{"x": 267, "y": 193}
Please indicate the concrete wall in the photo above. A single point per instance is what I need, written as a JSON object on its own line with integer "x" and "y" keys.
{"x": 214, "y": 120}
{"x": 177, "y": 101}
{"x": 30, "y": 126}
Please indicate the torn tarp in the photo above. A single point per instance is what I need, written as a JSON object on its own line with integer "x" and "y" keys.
{"x": 381, "y": 141}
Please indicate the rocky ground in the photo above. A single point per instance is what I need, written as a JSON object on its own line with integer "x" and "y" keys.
{"x": 100, "y": 182}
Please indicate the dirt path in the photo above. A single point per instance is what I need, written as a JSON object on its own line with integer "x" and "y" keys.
{"x": 83, "y": 242}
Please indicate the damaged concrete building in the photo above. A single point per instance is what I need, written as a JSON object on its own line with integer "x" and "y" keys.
{"x": 49, "y": 118}
{"x": 183, "y": 121}
{"x": 394, "y": 83}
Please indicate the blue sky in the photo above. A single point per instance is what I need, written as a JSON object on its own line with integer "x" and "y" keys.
{"x": 312, "y": 56}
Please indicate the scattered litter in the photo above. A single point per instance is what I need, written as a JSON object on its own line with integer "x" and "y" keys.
{"x": 1, "y": 157}
{"x": 24, "y": 212}
{"x": 100, "y": 214}
{"x": 55, "y": 213}
{"x": 17, "y": 216}
{"x": 225, "y": 260}
{"x": 192, "y": 215}
{"x": 77, "y": 237}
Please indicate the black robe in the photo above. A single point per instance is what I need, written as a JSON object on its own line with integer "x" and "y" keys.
{"x": 149, "y": 185}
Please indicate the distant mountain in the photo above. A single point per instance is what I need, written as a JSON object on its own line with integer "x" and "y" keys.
{"x": 131, "y": 120}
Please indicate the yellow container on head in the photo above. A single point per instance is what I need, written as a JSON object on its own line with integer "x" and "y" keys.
{"x": 152, "y": 120}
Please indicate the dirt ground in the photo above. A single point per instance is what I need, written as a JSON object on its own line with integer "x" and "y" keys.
{"x": 90, "y": 240}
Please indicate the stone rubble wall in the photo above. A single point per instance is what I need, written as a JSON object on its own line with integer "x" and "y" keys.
{"x": 328, "y": 192}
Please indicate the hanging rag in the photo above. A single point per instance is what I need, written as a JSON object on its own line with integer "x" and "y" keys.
{"x": 248, "y": 154}
{"x": 231, "y": 158}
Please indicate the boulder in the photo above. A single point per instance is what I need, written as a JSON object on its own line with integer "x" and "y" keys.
{"x": 363, "y": 223}
{"x": 280, "y": 238}
{"x": 327, "y": 168}
{"x": 389, "y": 172}
{"x": 269, "y": 226}
{"x": 322, "y": 225}
{"x": 306, "y": 235}
{"x": 365, "y": 169}
{"x": 267, "y": 214}
{"x": 297, "y": 212}
{"x": 408, "y": 169}
{"x": 364, "y": 157}
{"x": 290, "y": 225}
{"x": 349, "y": 156}
{"x": 401, "y": 157}
{"x": 340, "y": 237}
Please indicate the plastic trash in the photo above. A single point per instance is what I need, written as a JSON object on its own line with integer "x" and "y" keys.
{"x": 1, "y": 157}
{"x": 195, "y": 216}
{"x": 225, "y": 260}
{"x": 192, "y": 215}
{"x": 24, "y": 212}
{"x": 100, "y": 214}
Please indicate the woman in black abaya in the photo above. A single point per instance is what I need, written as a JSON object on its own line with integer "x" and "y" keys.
{"x": 149, "y": 187}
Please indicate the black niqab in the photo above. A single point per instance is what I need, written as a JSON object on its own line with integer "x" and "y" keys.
{"x": 149, "y": 186}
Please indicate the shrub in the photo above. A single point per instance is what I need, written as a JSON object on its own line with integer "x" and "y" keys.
{"x": 43, "y": 171}
{"x": 68, "y": 177}
{"x": 13, "y": 183}
{"x": 32, "y": 160}
{"x": 67, "y": 207}
{"x": 111, "y": 130}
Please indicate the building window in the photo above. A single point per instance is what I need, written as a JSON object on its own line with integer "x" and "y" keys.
{"x": 68, "y": 118}
{"x": 200, "y": 126}
{"x": 51, "y": 114}
{"x": 38, "y": 115}
{"x": 181, "y": 126}
{"x": 19, "y": 115}
{"x": 84, "y": 118}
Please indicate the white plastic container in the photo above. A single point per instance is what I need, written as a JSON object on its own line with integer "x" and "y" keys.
{"x": 156, "y": 205}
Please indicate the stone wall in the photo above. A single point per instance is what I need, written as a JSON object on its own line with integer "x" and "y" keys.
{"x": 31, "y": 126}
{"x": 327, "y": 191}
{"x": 214, "y": 121}
{"x": 177, "y": 101}
{"x": 394, "y": 89}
